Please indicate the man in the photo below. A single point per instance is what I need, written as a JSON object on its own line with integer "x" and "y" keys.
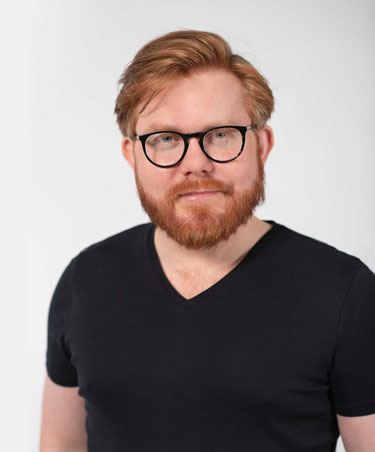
{"x": 207, "y": 329}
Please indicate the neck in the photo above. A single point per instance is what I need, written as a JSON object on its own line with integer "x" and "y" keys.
{"x": 226, "y": 254}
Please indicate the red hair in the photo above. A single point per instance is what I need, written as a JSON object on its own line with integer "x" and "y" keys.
{"x": 164, "y": 60}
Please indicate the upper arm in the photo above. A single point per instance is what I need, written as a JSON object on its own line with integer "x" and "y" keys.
{"x": 352, "y": 374}
{"x": 63, "y": 419}
{"x": 352, "y": 370}
{"x": 358, "y": 433}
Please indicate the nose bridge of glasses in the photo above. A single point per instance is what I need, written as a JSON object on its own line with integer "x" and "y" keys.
{"x": 198, "y": 135}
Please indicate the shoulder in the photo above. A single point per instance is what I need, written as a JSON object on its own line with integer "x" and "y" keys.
{"x": 126, "y": 237}
{"x": 121, "y": 247}
{"x": 305, "y": 253}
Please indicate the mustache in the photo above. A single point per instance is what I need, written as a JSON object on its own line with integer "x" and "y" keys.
{"x": 199, "y": 185}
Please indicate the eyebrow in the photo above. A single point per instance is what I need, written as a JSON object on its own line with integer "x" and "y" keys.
{"x": 155, "y": 127}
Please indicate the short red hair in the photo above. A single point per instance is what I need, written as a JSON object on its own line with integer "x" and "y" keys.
{"x": 164, "y": 60}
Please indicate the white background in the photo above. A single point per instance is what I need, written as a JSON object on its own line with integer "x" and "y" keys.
{"x": 319, "y": 59}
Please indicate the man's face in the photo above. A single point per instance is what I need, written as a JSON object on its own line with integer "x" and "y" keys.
{"x": 205, "y": 99}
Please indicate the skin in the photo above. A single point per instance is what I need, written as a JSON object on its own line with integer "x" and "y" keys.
{"x": 207, "y": 98}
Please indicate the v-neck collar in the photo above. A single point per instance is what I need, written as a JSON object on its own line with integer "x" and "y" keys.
{"x": 195, "y": 301}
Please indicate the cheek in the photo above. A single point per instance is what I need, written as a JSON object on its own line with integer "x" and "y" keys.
{"x": 245, "y": 178}
{"x": 154, "y": 181}
{"x": 144, "y": 171}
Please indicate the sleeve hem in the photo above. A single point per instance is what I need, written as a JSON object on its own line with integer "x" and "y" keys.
{"x": 358, "y": 409}
{"x": 62, "y": 380}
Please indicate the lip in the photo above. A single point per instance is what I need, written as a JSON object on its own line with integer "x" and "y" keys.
{"x": 199, "y": 194}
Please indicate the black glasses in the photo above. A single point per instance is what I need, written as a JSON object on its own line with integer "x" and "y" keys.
{"x": 220, "y": 144}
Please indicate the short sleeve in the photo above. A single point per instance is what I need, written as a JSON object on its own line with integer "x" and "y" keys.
{"x": 352, "y": 375}
{"x": 58, "y": 358}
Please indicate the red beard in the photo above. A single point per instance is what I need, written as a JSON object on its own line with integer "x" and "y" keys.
{"x": 203, "y": 224}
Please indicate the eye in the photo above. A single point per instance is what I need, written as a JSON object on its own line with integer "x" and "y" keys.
{"x": 164, "y": 141}
{"x": 166, "y": 138}
{"x": 219, "y": 135}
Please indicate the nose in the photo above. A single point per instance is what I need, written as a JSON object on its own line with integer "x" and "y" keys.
{"x": 195, "y": 160}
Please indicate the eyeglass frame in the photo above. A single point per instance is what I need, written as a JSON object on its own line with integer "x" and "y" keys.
{"x": 200, "y": 135}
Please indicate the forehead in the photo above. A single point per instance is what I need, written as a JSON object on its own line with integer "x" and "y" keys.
{"x": 202, "y": 100}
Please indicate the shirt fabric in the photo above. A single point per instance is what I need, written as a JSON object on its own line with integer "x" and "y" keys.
{"x": 260, "y": 361}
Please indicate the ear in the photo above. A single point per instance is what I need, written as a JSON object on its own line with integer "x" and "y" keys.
{"x": 127, "y": 150}
{"x": 266, "y": 142}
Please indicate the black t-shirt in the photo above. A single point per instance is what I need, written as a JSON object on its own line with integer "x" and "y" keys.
{"x": 261, "y": 361}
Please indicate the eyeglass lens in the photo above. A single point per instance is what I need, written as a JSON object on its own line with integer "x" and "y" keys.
{"x": 166, "y": 148}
